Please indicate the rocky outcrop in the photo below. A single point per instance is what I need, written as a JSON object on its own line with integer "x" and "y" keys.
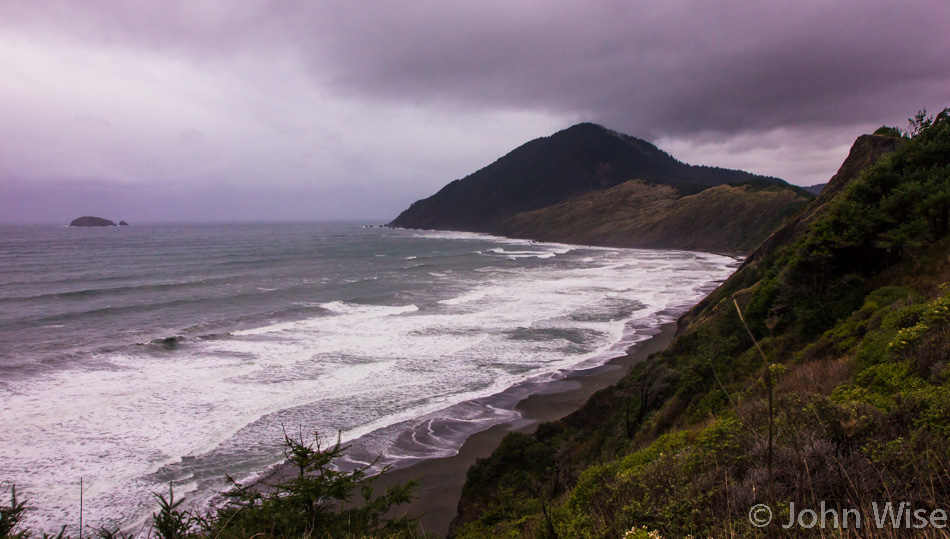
{"x": 91, "y": 221}
{"x": 865, "y": 152}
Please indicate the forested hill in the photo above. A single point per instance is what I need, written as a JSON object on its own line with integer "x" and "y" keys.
{"x": 582, "y": 176}
{"x": 843, "y": 397}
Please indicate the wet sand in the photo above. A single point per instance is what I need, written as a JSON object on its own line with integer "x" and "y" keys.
{"x": 442, "y": 478}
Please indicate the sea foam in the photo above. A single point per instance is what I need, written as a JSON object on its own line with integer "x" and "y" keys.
{"x": 399, "y": 363}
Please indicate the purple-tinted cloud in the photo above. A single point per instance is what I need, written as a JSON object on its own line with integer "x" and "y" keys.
{"x": 326, "y": 97}
{"x": 671, "y": 68}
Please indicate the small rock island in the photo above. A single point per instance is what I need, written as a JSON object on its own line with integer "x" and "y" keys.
{"x": 91, "y": 221}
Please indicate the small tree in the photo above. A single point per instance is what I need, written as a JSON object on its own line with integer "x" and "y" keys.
{"x": 170, "y": 522}
{"x": 320, "y": 501}
{"x": 919, "y": 123}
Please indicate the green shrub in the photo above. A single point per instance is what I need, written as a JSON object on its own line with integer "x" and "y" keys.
{"x": 888, "y": 131}
{"x": 320, "y": 500}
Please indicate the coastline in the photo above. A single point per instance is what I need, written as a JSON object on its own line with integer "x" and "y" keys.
{"x": 441, "y": 479}
{"x": 535, "y": 401}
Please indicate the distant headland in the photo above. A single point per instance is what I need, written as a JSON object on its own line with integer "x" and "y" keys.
{"x": 589, "y": 185}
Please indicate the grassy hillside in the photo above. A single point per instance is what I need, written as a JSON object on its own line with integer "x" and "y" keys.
{"x": 843, "y": 397}
{"x": 734, "y": 218}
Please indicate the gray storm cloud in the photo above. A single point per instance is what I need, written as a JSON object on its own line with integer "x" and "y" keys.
{"x": 366, "y": 106}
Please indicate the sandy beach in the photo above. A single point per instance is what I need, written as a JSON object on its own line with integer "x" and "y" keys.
{"x": 442, "y": 478}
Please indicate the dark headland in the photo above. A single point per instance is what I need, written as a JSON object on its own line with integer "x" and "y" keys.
{"x": 590, "y": 185}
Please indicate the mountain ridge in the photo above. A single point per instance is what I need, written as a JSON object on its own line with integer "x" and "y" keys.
{"x": 575, "y": 162}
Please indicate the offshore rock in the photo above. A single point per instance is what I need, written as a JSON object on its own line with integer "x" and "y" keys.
{"x": 91, "y": 221}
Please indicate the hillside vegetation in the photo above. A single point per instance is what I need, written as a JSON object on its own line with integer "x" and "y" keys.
{"x": 842, "y": 398}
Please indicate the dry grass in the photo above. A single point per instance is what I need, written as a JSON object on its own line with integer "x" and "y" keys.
{"x": 815, "y": 377}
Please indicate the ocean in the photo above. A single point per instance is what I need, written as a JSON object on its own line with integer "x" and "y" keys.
{"x": 134, "y": 357}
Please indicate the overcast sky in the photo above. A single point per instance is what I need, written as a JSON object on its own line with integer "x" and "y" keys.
{"x": 189, "y": 110}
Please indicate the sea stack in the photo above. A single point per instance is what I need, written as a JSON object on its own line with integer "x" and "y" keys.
{"x": 91, "y": 221}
